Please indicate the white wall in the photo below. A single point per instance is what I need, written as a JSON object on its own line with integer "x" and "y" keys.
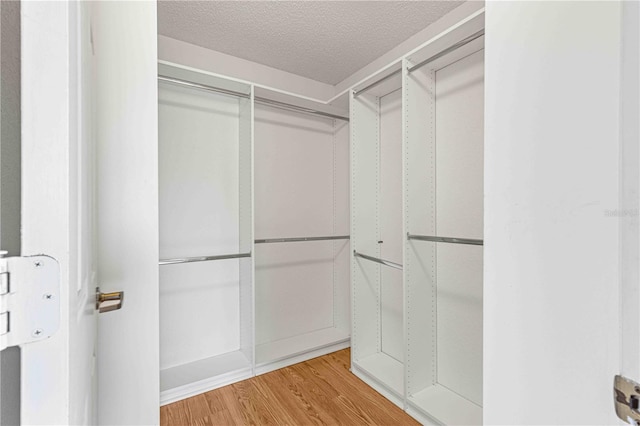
{"x": 551, "y": 344}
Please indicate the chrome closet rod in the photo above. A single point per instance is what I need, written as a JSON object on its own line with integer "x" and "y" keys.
{"x": 445, "y": 239}
{"x": 378, "y": 260}
{"x": 258, "y": 100}
{"x": 447, "y": 50}
{"x": 299, "y": 239}
{"x": 203, "y": 258}
{"x": 290, "y": 107}
{"x": 203, "y": 87}
{"x": 375, "y": 83}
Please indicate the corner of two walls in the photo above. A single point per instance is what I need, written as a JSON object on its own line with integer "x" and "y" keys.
{"x": 187, "y": 54}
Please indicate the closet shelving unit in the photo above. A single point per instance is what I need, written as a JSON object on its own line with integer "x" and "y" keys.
{"x": 444, "y": 224}
{"x": 376, "y": 232}
{"x": 436, "y": 373}
{"x": 256, "y": 267}
{"x": 227, "y": 296}
{"x": 206, "y": 232}
{"x": 302, "y": 231}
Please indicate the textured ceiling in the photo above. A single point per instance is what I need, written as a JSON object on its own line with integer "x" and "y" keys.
{"x": 323, "y": 40}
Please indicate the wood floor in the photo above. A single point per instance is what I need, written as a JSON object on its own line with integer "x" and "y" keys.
{"x": 320, "y": 391}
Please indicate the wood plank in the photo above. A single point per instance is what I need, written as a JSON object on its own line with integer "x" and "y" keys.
{"x": 321, "y": 391}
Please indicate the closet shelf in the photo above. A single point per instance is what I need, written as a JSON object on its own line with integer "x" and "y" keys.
{"x": 203, "y": 258}
{"x": 385, "y": 369}
{"x": 278, "y": 350}
{"x": 451, "y": 240}
{"x": 378, "y": 260}
{"x": 199, "y": 376}
{"x": 301, "y": 239}
{"x": 446, "y": 406}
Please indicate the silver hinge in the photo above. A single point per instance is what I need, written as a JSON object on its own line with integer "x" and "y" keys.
{"x": 626, "y": 394}
{"x": 29, "y": 299}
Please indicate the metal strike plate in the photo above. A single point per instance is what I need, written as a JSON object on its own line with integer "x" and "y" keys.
{"x": 29, "y": 299}
{"x": 626, "y": 395}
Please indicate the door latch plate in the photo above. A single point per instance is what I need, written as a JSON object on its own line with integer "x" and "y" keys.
{"x": 626, "y": 394}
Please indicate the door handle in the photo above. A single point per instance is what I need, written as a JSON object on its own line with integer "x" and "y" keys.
{"x": 108, "y": 299}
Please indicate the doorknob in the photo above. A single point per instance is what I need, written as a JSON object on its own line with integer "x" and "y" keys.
{"x": 109, "y": 299}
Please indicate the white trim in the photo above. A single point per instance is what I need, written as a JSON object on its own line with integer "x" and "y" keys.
{"x": 239, "y": 80}
{"x": 202, "y": 386}
{"x": 439, "y": 36}
{"x": 174, "y": 50}
{"x": 46, "y": 185}
{"x": 301, "y": 357}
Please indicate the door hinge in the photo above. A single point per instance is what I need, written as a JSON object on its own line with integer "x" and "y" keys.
{"x": 626, "y": 394}
{"x": 29, "y": 299}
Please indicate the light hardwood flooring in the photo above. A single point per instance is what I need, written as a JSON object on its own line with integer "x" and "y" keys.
{"x": 321, "y": 391}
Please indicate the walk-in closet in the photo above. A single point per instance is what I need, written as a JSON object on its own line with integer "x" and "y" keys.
{"x": 320, "y": 212}
{"x": 293, "y": 227}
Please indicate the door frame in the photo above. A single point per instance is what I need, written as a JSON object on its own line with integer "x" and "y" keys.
{"x": 47, "y": 184}
{"x": 123, "y": 41}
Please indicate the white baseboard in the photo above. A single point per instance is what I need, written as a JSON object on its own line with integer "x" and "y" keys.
{"x": 182, "y": 392}
{"x": 301, "y": 357}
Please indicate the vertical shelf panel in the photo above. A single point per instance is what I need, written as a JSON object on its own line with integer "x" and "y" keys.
{"x": 246, "y": 228}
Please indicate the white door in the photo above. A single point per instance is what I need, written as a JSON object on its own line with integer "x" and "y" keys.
{"x": 89, "y": 199}
{"x": 561, "y": 285}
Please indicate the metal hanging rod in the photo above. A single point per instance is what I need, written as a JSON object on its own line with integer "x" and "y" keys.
{"x": 258, "y": 100}
{"x": 447, "y": 50}
{"x": 290, "y": 107}
{"x": 203, "y": 87}
{"x": 445, "y": 239}
{"x": 299, "y": 239}
{"x": 203, "y": 258}
{"x": 375, "y": 83}
{"x": 378, "y": 260}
